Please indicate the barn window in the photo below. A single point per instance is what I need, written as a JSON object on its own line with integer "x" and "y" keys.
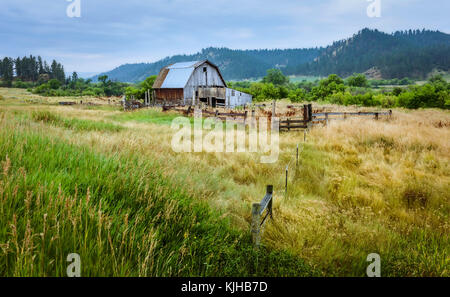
{"x": 204, "y": 69}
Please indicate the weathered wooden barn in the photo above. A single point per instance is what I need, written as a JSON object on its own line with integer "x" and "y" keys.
{"x": 193, "y": 82}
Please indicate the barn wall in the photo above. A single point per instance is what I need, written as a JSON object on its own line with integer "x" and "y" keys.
{"x": 199, "y": 78}
{"x": 169, "y": 95}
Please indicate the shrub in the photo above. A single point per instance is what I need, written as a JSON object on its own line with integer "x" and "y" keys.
{"x": 357, "y": 80}
{"x": 54, "y": 84}
{"x": 297, "y": 95}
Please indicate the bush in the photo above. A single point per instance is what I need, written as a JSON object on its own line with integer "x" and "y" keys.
{"x": 297, "y": 95}
{"x": 404, "y": 99}
{"x": 357, "y": 80}
{"x": 54, "y": 84}
{"x": 22, "y": 85}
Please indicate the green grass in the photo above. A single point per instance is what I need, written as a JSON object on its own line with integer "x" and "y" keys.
{"x": 119, "y": 213}
{"x": 146, "y": 116}
{"x": 75, "y": 124}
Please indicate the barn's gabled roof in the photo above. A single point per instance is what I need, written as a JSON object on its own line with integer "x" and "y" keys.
{"x": 176, "y": 76}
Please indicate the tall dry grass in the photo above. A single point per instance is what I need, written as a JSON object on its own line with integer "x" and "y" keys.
{"x": 362, "y": 186}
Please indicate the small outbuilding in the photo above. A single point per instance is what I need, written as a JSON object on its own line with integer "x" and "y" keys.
{"x": 193, "y": 82}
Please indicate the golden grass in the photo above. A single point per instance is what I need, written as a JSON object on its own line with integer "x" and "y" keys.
{"x": 362, "y": 186}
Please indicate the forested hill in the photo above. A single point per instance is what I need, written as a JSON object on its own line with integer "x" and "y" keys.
{"x": 234, "y": 64}
{"x": 412, "y": 53}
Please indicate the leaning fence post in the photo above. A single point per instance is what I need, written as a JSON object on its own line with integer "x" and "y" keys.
{"x": 269, "y": 191}
{"x": 286, "y": 186}
{"x": 256, "y": 217}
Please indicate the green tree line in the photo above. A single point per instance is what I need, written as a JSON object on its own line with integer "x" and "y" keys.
{"x": 405, "y": 53}
{"x": 355, "y": 90}
{"x": 29, "y": 69}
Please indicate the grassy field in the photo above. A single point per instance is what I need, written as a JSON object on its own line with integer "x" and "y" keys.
{"x": 106, "y": 184}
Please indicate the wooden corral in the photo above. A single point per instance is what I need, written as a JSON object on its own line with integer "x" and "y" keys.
{"x": 302, "y": 118}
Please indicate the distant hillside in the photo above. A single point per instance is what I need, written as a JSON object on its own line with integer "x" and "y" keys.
{"x": 234, "y": 64}
{"x": 412, "y": 53}
{"x": 401, "y": 54}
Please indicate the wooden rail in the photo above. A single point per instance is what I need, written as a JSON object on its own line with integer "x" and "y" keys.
{"x": 324, "y": 117}
{"x": 289, "y": 124}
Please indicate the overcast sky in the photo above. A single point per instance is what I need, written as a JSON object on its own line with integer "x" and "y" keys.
{"x": 113, "y": 32}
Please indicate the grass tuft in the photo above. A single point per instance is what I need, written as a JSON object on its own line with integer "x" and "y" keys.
{"x": 75, "y": 124}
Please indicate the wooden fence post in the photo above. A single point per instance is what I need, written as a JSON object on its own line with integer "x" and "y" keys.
{"x": 326, "y": 118}
{"x": 376, "y": 116}
{"x": 297, "y": 154}
{"x": 289, "y": 124}
{"x": 286, "y": 186}
{"x": 310, "y": 112}
{"x": 256, "y": 217}
{"x": 273, "y": 108}
{"x": 305, "y": 113}
{"x": 253, "y": 119}
{"x": 269, "y": 191}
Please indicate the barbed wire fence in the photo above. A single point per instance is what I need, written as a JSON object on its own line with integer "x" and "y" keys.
{"x": 267, "y": 202}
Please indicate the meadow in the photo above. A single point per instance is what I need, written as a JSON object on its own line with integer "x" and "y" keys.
{"x": 105, "y": 183}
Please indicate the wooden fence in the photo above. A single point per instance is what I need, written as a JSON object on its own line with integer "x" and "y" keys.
{"x": 324, "y": 117}
{"x": 293, "y": 123}
{"x": 209, "y": 113}
{"x": 309, "y": 118}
